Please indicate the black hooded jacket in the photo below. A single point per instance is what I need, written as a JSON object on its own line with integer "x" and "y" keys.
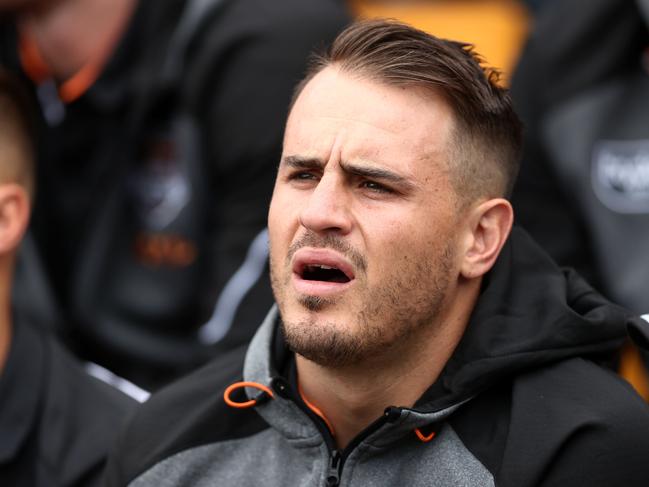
{"x": 522, "y": 402}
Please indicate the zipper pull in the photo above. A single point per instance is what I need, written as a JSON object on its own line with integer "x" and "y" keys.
{"x": 333, "y": 479}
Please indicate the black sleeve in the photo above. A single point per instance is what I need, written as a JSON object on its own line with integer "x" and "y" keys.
{"x": 604, "y": 455}
{"x": 575, "y": 424}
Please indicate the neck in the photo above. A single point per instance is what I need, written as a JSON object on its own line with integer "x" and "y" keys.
{"x": 352, "y": 398}
{"x": 71, "y": 33}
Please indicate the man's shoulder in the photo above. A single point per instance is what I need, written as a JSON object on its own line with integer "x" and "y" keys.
{"x": 584, "y": 387}
{"x": 69, "y": 383}
{"x": 575, "y": 423}
{"x": 187, "y": 414}
{"x": 66, "y": 419}
{"x": 80, "y": 418}
{"x": 201, "y": 388}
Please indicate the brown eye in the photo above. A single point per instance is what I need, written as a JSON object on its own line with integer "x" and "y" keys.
{"x": 376, "y": 187}
{"x": 302, "y": 177}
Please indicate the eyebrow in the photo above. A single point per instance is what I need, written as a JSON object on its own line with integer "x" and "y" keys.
{"x": 375, "y": 173}
{"x": 298, "y": 162}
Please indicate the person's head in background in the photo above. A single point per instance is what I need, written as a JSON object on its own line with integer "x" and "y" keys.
{"x": 69, "y": 34}
{"x": 16, "y": 5}
{"x": 16, "y": 188}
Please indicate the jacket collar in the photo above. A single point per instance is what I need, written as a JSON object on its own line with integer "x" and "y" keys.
{"x": 283, "y": 414}
{"x": 261, "y": 366}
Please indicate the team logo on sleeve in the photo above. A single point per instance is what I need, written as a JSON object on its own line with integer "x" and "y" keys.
{"x": 161, "y": 194}
{"x": 620, "y": 175}
{"x": 160, "y": 188}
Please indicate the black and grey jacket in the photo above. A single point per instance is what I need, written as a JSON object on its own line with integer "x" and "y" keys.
{"x": 521, "y": 402}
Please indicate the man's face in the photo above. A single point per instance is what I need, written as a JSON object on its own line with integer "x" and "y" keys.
{"x": 363, "y": 219}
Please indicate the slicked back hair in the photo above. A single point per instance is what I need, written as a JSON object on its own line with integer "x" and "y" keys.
{"x": 485, "y": 145}
{"x": 16, "y": 133}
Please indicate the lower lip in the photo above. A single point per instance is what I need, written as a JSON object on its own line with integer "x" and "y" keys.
{"x": 319, "y": 288}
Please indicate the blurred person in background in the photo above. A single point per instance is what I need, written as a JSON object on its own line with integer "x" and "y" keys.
{"x": 56, "y": 421}
{"x": 582, "y": 89}
{"x": 159, "y": 136}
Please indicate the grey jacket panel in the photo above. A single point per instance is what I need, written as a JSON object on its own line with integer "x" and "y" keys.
{"x": 443, "y": 461}
{"x": 269, "y": 459}
{"x": 262, "y": 459}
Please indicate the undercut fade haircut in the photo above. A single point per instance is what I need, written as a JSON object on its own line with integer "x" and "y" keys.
{"x": 17, "y": 129}
{"x": 485, "y": 146}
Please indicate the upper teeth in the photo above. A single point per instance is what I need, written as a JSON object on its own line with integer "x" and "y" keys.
{"x": 322, "y": 266}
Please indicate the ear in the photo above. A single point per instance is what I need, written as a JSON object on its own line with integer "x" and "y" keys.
{"x": 489, "y": 224}
{"x": 14, "y": 216}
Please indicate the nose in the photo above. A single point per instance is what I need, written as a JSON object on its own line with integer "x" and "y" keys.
{"x": 327, "y": 207}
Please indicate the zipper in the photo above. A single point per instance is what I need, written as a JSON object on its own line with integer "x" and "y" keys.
{"x": 335, "y": 467}
{"x": 336, "y": 458}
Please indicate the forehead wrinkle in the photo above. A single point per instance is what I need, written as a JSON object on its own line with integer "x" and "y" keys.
{"x": 362, "y": 122}
{"x": 307, "y": 161}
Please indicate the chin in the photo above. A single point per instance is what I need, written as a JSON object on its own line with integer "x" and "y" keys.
{"x": 316, "y": 303}
{"x": 322, "y": 340}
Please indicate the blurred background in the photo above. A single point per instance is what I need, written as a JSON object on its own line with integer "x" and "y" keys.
{"x": 497, "y": 28}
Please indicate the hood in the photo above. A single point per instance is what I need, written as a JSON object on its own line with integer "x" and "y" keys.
{"x": 529, "y": 313}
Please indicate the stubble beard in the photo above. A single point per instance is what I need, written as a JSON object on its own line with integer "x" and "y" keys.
{"x": 388, "y": 316}
{"x": 315, "y": 303}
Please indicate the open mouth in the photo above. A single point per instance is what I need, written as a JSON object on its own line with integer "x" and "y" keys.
{"x": 321, "y": 271}
{"x": 325, "y": 273}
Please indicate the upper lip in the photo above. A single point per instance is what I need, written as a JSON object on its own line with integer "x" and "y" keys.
{"x": 321, "y": 256}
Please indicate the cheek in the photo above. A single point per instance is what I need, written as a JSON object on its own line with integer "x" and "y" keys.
{"x": 388, "y": 244}
{"x": 282, "y": 225}
{"x": 276, "y": 243}
{"x": 408, "y": 241}
{"x": 275, "y": 230}
{"x": 279, "y": 213}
